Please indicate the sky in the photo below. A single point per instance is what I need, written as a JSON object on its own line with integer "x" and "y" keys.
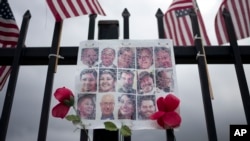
{"x": 26, "y": 109}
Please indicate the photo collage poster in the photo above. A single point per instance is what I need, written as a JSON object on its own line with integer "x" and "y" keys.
{"x": 120, "y": 81}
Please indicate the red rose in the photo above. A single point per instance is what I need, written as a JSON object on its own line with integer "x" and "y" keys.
{"x": 167, "y": 116}
{"x": 66, "y": 99}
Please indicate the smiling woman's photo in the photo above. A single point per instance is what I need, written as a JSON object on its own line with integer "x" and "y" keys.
{"x": 107, "y": 80}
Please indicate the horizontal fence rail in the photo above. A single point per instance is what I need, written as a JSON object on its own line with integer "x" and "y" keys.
{"x": 183, "y": 55}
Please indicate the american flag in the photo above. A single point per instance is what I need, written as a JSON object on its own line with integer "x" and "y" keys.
{"x": 9, "y": 33}
{"x": 63, "y": 9}
{"x": 177, "y": 23}
{"x": 240, "y": 14}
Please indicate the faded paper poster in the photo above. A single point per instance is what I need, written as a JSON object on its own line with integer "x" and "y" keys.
{"x": 120, "y": 81}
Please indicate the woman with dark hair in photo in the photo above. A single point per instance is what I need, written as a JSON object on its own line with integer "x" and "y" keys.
{"x": 127, "y": 107}
{"x": 107, "y": 80}
{"x": 86, "y": 106}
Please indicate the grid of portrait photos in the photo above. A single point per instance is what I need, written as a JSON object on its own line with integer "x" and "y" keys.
{"x": 120, "y": 81}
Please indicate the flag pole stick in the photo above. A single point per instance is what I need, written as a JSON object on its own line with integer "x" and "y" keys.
{"x": 204, "y": 54}
{"x": 4, "y": 121}
{"x": 53, "y": 57}
{"x": 205, "y": 61}
{"x": 204, "y": 80}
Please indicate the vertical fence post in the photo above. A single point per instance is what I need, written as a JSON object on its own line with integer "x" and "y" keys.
{"x": 107, "y": 30}
{"x": 84, "y": 132}
{"x": 42, "y": 133}
{"x": 91, "y": 33}
{"x": 159, "y": 15}
{"x": 4, "y": 122}
{"x": 125, "y": 15}
{"x": 238, "y": 64}
{"x": 204, "y": 79}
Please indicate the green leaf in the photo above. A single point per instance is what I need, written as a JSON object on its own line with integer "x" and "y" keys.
{"x": 110, "y": 126}
{"x": 73, "y": 118}
{"x": 125, "y": 130}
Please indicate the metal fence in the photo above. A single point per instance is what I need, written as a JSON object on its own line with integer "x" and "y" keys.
{"x": 232, "y": 54}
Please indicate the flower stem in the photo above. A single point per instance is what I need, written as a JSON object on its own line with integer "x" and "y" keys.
{"x": 82, "y": 125}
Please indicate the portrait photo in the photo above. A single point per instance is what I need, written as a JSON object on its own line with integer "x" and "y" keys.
{"x": 126, "y": 57}
{"x": 162, "y": 57}
{"x": 145, "y": 82}
{"x": 107, "y": 80}
{"x": 88, "y": 80}
{"x": 89, "y": 57}
{"x": 86, "y": 106}
{"x": 108, "y": 56}
{"x": 126, "y": 81}
{"x": 144, "y": 58}
{"x": 146, "y": 106}
{"x": 164, "y": 80}
{"x": 106, "y": 105}
{"x": 127, "y": 106}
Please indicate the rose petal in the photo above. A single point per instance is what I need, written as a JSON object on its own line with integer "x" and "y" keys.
{"x": 172, "y": 119}
{"x": 63, "y": 93}
{"x": 60, "y": 110}
{"x": 157, "y": 115}
{"x": 161, "y": 122}
{"x": 161, "y": 104}
{"x": 171, "y": 102}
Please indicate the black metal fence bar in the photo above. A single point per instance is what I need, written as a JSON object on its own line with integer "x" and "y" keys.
{"x": 238, "y": 65}
{"x": 4, "y": 121}
{"x": 84, "y": 132}
{"x": 44, "y": 119}
{"x": 159, "y": 15}
{"x": 183, "y": 55}
{"x": 125, "y": 15}
{"x": 107, "y": 30}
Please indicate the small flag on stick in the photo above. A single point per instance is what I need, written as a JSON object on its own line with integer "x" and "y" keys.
{"x": 9, "y": 34}
{"x": 63, "y": 9}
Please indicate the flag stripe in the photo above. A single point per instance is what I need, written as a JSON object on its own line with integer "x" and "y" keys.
{"x": 62, "y": 9}
{"x": 239, "y": 11}
{"x": 81, "y": 7}
{"x": 9, "y": 34}
{"x": 203, "y": 32}
{"x": 73, "y": 8}
{"x": 61, "y": 5}
{"x": 178, "y": 26}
